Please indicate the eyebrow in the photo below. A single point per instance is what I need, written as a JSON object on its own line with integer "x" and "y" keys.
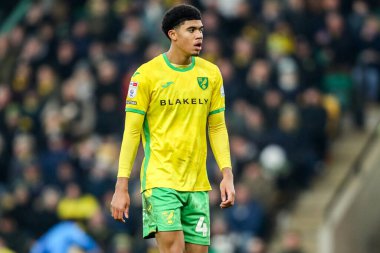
{"x": 196, "y": 27}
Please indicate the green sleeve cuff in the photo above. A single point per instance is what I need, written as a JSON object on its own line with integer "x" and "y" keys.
{"x": 216, "y": 111}
{"x": 135, "y": 111}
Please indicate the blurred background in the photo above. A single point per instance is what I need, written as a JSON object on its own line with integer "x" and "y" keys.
{"x": 302, "y": 91}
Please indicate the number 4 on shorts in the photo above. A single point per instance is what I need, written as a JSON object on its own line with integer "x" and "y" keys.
{"x": 201, "y": 226}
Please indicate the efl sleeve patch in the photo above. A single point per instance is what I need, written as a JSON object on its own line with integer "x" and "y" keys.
{"x": 132, "y": 91}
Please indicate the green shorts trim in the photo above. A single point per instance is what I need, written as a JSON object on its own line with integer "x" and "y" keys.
{"x": 166, "y": 209}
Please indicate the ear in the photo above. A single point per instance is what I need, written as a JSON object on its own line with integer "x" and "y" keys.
{"x": 172, "y": 34}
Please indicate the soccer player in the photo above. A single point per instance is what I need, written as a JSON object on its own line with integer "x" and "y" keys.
{"x": 172, "y": 101}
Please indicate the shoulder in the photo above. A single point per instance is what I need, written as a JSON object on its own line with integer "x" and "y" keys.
{"x": 206, "y": 64}
{"x": 151, "y": 65}
{"x": 211, "y": 69}
{"x": 146, "y": 70}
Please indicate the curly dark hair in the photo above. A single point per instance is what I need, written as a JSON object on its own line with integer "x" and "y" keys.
{"x": 178, "y": 14}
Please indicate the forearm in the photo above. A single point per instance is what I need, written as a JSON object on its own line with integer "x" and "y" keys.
{"x": 130, "y": 143}
{"x": 122, "y": 184}
{"x": 218, "y": 136}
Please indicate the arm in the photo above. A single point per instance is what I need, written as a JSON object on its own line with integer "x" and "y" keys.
{"x": 220, "y": 147}
{"x": 131, "y": 140}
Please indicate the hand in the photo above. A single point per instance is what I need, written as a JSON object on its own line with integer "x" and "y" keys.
{"x": 227, "y": 189}
{"x": 120, "y": 200}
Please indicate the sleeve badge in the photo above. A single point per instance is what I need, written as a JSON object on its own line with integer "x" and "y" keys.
{"x": 132, "y": 91}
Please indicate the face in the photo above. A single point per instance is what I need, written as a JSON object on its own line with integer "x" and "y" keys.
{"x": 188, "y": 37}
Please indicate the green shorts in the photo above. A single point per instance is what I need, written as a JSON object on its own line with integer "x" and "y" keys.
{"x": 166, "y": 209}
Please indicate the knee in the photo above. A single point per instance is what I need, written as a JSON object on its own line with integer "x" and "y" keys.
{"x": 171, "y": 244}
{"x": 178, "y": 247}
{"x": 173, "y": 247}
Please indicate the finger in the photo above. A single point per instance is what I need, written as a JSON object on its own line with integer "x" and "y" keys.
{"x": 126, "y": 213}
{"x": 231, "y": 197}
{"x": 114, "y": 213}
{"x": 229, "y": 201}
{"x": 226, "y": 203}
{"x": 223, "y": 193}
{"x": 224, "y": 206}
{"x": 230, "y": 193}
{"x": 120, "y": 214}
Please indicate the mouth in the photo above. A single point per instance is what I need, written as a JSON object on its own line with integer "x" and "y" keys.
{"x": 198, "y": 45}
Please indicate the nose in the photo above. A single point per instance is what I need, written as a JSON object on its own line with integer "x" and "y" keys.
{"x": 198, "y": 34}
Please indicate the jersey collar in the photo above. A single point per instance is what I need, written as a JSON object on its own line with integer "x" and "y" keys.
{"x": 190, "y": 67}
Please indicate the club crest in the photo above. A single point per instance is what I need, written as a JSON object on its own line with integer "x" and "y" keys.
{"x": 203, "y": 82}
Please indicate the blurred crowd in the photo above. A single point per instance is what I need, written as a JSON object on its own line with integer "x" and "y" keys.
{"x": 291, "y": 69}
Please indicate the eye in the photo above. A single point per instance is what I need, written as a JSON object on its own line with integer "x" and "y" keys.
{"x": 191, "y": 29}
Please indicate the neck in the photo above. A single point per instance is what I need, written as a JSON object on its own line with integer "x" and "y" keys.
{"x": 177, "y": 57}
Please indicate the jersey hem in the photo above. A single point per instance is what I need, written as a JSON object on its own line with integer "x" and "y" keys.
{"x": 202, "y": 189}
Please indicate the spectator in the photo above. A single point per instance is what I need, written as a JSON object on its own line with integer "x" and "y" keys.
{"x": 23, "y": 155}
{"x": 255, "y": 127}
{"x": 45, "y": 214}
{"x": 222, "y": 241}
{"x": 75, "y": 206}
{"x": 65, "y": 59}
{"x": 314, "y": 121}
{"x": 297, "y": 17}
{"x": 246, "y": 218}
{"x": 261, "y": 186}
{"x": 256, "y": 245}
{"x": 258, "y": 81}
{"x": 271, "y": 108}
{"x": 15, "y": 238}
{"x": 232, "y": 84}
{"x": 310, "y": 71}
{"x": 288, "y": 79}
{"x": 292, "y": 242}
{"x": 3, "y": 162}
{"x": 65, "y": 237}
{"x": 3, "y": 247}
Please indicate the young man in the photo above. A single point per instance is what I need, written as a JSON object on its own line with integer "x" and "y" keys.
{"x": 172, "y": 101}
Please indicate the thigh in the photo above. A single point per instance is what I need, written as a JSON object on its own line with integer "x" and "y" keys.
{"x": 195, "y": 219}
{"x": 161, "y": 211}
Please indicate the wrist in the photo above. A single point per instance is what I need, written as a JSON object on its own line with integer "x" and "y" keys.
{"x": 122, "y": 183}
{"x": 227, "y": 172}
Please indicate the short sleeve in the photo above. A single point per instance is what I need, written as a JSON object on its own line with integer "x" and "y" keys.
{"x": 217, "y": 97}
{"x": 138, "y": 96}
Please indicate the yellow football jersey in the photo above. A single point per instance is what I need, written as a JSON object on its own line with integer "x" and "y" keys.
{"x": 176, "y": 103}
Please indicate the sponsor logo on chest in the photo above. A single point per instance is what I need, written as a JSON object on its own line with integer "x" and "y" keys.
{"x": 184, "y": 101}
